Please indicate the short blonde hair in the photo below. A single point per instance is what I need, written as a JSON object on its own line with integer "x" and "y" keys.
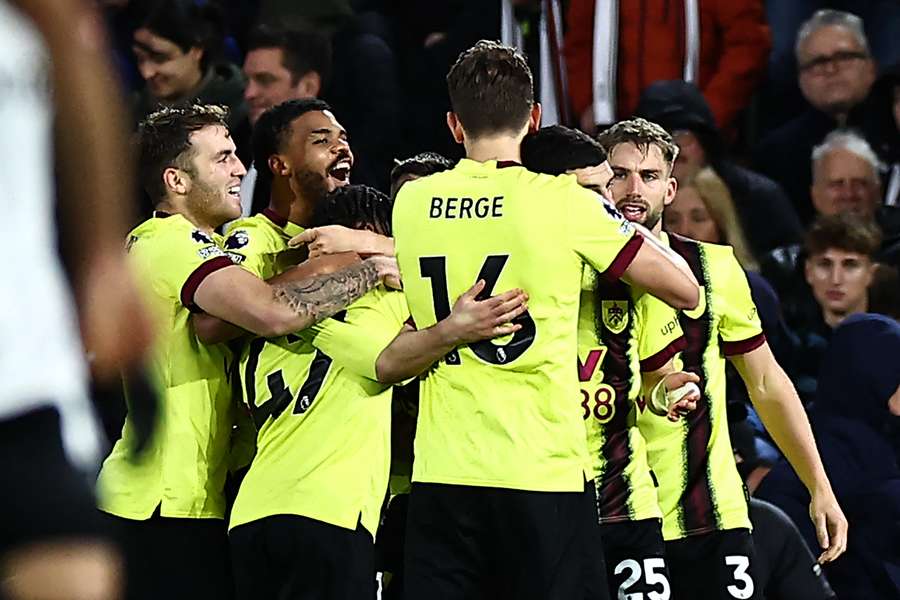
{"x": 715, "y": 195}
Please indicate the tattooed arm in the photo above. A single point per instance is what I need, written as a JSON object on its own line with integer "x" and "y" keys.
{"x": 239, "y": 297}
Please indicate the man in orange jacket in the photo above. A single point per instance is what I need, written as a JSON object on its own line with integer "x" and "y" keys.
{"x": 615, "y": 49}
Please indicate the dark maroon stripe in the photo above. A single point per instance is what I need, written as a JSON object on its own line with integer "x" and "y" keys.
{"x": 624, "y": 258}
{"x": 196, "y": 278}
{"x": 743, "y": 346}
{"x": 697, "y": 507}
{"x": 659, "y": 360}
{"x": 505, "y": 164}
{"x": 275, "y": 217}
{"x": 615, "y": 489}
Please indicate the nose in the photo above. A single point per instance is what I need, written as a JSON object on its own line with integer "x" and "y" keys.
{"x": 251, "y": 92}
{"x": 239, "y": 170}
{"x": 632, "y": 183}
{"x": 836, "y": 276}
{"x": 147, "y": 69}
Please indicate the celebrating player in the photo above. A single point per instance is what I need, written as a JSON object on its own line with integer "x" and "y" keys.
{"x": 705, "y": 519}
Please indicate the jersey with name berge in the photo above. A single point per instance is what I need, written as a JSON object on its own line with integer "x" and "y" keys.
{"x": 499, "y": 413}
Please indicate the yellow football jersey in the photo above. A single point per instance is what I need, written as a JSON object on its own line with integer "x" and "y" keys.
{"x": 700, "y": 489}
{"x": 497, "y": 413}
{"x": 183, "y": 471}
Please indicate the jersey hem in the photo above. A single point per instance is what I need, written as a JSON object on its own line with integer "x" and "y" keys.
{"x": 307, "y": 515}
{"x": 506, "y": 485}
{"x": 704, "y": 531}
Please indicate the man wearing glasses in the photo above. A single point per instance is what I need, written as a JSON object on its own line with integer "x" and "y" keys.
{"x": 835, "y": 74}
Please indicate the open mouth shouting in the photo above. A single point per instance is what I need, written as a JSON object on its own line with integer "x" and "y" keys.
{"x": 339, "y": 171}
{"x": 633, "y": 209}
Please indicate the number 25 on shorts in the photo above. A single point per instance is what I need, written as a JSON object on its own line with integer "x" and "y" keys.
{"x": 653, "y": 573}
{"x": 435, "y": 269}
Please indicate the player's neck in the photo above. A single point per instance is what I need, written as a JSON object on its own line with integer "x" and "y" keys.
{"x": 506, "y": 148}
{"x": 179, "y": 208}
{"x": 286, "y": 202}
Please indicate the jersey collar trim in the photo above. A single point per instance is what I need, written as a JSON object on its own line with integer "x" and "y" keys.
{"x": 275, "y": 217}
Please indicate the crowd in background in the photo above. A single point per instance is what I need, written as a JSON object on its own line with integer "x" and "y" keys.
{"x": 787, "y": 116}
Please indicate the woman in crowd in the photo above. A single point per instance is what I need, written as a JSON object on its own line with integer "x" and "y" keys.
{"x": 704, "y": 210}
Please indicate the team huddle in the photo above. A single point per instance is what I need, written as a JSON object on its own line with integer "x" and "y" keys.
{"x": 568, "y": 358}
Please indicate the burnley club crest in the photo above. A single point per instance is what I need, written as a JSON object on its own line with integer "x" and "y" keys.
{"x": 615, "y": 315}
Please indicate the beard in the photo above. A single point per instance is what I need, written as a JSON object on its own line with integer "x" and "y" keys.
{"x": 310, "y": 186}
{"x": 213, "y": 205}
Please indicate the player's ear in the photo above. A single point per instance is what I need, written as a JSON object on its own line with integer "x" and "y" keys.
{"x": 456, "y": 129}
{"x": 534, "y": 117}
{"x": 278, "y": 166}
{"x": 176, "y": 180}
{"x": 671, "y": 190}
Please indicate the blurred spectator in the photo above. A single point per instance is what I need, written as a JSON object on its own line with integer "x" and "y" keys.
{"x": 284, "y": 64}
{"x": 784, "y": 568}
{"x": 178, "y": 46}
{"x": 836, "y": 73}
{"x": 840, "y": 265}
{"x": 882, "y": 127}
{"x": 857, "y": 403}
{"x": 281, "y": 65}
{"x": 765, "y": 212}
{"x": 703, "y": 210}
{"x": 884, "y": 293}
{"x": 616, "y": 49}
{"x": 838, "y": 269}
{"x": 780, "y": 98}
{"x": 845, "y": 177}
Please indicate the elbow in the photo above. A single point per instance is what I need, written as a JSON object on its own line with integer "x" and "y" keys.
{"x": 275, "y": 325}
{"x": 386, "y": 373}
{"x": 687, "y": 298}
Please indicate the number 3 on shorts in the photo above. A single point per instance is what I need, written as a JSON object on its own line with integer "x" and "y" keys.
{"x": 651, "y": 565}
{"x": 745, "y": 588}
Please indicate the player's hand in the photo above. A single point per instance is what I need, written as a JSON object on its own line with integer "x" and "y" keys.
{"x": 830, "y": 523}
{"x": 115, "y": 324}
{"x": 334, "y": 239}
{"x": 473, "y": 320}
{"x": 388, "y": 271}
{"x": 688, "y": 402}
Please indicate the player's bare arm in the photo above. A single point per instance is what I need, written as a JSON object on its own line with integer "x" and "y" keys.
{"x": 239, "y": 297}
{"x": 471, "y": 320}
{"x": 335, "y": 239}
{"x": 670, "y": 393}
{"x": 775, "y": 399}
{"x": 656, "y": 271}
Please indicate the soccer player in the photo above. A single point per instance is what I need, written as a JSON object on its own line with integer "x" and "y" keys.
{"x": 420, "y": 165}
{"x": 319, "y": 477}
{"x": 705, "y": 521}
{"x": 55, "y": 68}
{"x": 499, "y": 500}
{"x": 627, "y": 342}
{"x": 170, "y": 503}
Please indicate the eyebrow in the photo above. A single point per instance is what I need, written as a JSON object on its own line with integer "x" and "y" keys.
{"x": 327, "y": 131}
{"x": 223, "y": 153}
